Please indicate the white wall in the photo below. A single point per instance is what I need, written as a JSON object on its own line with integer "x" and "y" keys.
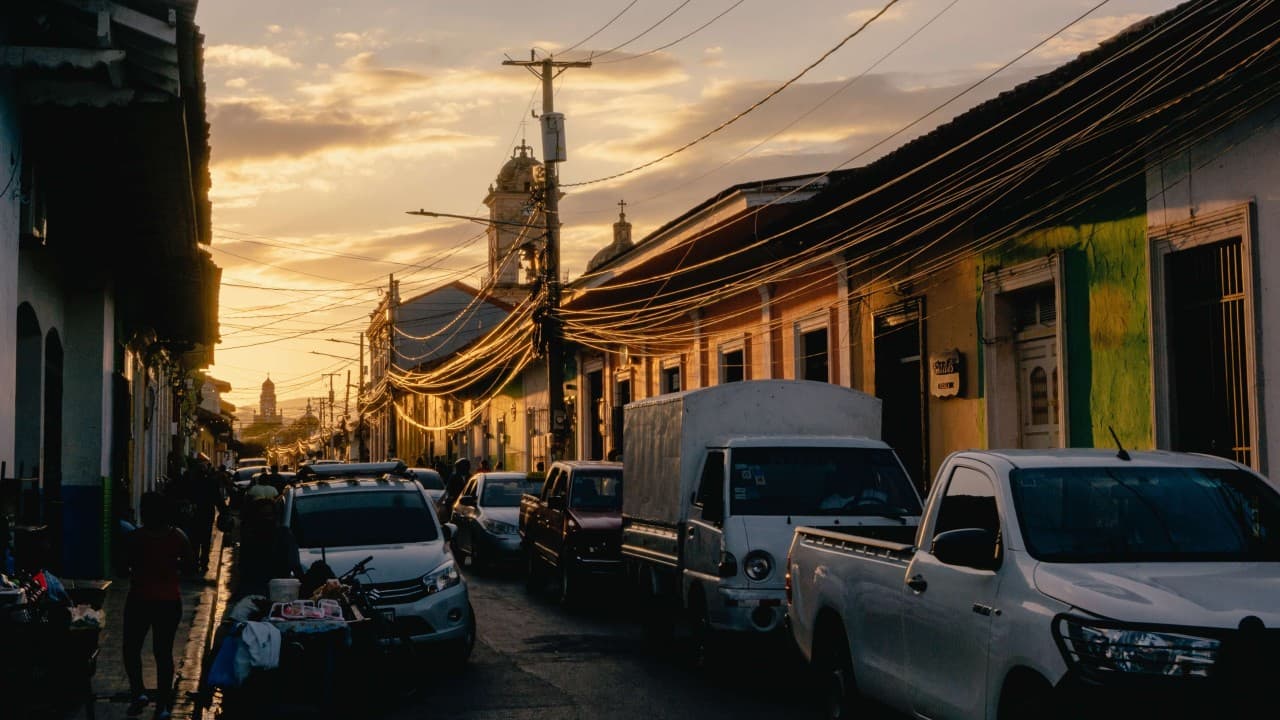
{"x": 9, "y": 164}
{"x": 1235, "y": 167}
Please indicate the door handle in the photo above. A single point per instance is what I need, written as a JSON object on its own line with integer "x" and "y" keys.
{"x": 690, "y": 532}
{"x": 917, "y": 583}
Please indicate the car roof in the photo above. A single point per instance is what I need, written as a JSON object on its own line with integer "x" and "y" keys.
{"x": 502, "y": 475}
{"x": 588, "y": 464}
{"x": 431, "y": 471}
{"x": 336, "y": 485}
{"x": 366, "y": 470}
{"x": 1098, "y": 457}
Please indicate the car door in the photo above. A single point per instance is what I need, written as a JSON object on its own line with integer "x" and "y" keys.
{"x": 464, "y": 516}
{"x": 543, "y": 531}
{"x": 704, "y": 532}
{"x": 556, "y": 515}
{"x": 949, "y": 609}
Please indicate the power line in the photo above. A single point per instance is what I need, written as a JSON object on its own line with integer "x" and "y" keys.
{"x": 646, "y": 31}
{"x": 745, "y": 112}
{"x": 601, "y": 29}
{"x": 678, "y": 40}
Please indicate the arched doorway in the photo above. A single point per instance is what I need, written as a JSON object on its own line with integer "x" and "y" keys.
{"x": 29, "y": 356}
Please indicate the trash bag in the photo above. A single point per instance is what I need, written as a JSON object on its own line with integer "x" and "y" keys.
{"x": 222, "y": 673}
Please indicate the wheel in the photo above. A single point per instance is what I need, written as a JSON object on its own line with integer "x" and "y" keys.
{"x": 569, "y": 582}
{"x": 1025, "y": 696}
{"x": 841, "y": 690}
{"x": 533, "y": 571}
{"x": 459, "y": 651}
{"x": 704, "y": 641}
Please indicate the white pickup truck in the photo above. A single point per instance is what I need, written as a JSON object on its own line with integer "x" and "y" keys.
{"x": 1060, "y": 583}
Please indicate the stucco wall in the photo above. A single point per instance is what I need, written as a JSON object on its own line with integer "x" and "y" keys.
{"x": 1235, "y": 167}
{"x": 1105, "y": 318}
{"x": 9, "y": 166}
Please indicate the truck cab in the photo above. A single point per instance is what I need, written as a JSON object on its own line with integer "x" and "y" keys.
{"x": 572, "y": 529}
{"x": 752, "y": 494}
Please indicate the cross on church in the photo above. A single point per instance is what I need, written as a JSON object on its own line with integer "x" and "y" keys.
{"x": 622, "y": 209}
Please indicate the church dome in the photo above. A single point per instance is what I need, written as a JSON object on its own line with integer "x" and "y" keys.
{"x": 520, "y": 172}
{"x": 268, "y": 385}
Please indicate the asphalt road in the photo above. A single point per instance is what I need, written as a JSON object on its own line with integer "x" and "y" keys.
{"x": 537, "y": 659}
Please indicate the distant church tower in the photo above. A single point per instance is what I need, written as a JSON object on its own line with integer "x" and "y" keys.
{"x": 267, "y": 405}
{"x": 621, "y": 240}
{"x": 512, "y": 200}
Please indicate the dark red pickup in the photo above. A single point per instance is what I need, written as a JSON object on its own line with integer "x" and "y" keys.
{"x": 573, "y": 529}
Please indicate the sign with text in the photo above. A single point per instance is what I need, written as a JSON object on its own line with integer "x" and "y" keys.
{"x": 945, "y": 370}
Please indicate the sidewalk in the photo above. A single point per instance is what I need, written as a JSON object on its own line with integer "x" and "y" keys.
{"x": 202, "y": 604}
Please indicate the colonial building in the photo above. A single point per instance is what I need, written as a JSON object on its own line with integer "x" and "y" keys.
{"x": 109, "y": 299}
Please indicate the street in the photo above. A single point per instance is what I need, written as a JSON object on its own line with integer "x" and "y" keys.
{"x": 537, "y": 659}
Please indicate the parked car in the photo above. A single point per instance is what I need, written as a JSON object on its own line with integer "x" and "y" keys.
{"x": 251, "y": 462}
{"x": 571, "y": 528}
{"x": 1053, "y": 583}
{"x": 312, "y": 471}
{"x": 430, "y": 481}
{"x": 487, "y": 514}
{"x": 413, "y": 573}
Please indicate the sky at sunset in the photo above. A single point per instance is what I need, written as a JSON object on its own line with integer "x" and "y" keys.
{"x": 331, "y": 119}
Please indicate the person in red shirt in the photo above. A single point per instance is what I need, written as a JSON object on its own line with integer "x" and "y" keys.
{"x": 158, "y": 555}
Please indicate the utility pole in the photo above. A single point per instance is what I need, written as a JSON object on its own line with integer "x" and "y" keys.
{"x": 552, "y": 332}
{"x": 392, "y": 302}
{"x": 332, "y": 404}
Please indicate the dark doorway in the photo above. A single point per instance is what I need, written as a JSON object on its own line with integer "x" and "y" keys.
{"x": 595, "y": 415}
{"x": 621, "y": 397}
{"x": 899, "y": 348}
{"x": 1209, "y": 396}
{"x": 813, "y": 346}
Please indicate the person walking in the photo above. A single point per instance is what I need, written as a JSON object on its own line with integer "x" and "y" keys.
{"x": 262, "y": 488}
{"x": 453, "y": 488}
{"x": 158, "y": 554}
{"x": 206, "y": 495}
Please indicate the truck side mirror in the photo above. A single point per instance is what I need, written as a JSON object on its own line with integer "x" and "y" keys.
{"x": 556, "y": 502}
{"x": 971, "y": 547}
{"x": 467, "y": 500}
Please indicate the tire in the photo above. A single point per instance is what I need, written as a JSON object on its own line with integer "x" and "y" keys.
{"x": 704, "y": 641}
{"x": 1025, "y": 696}
{"x": 533, "y": 579}
{"x": 838, "y": 686}
{"x": 570, "y": 584}
{"x": 459, "y": 651}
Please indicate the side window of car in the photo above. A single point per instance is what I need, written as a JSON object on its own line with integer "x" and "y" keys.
{"x": 555, "y": 484}
{"x": 470, "y": 489}
{"x": 970, "y": 502}
{"x": 561, "y": 488}
{"x": 711, "y": 488}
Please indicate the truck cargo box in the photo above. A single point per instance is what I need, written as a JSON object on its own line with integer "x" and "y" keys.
{"x": 665, "y": 437}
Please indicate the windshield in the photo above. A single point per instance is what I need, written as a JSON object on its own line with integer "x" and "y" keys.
{"x": 504, "y": 492}
{"x": 597, "y": 490}
{"x": 1146, "y": 514}
{"x": 383, "y": 517}
{"x": 819, "y": 481}
{"x": 428, "y": 479}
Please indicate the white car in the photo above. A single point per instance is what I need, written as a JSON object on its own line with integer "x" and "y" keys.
{"x": 413, "y": 571}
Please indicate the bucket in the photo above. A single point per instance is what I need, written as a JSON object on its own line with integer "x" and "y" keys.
{"x": 283, "y": 590}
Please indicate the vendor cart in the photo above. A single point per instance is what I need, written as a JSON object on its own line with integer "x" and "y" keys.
{"x": 49, "y": 644}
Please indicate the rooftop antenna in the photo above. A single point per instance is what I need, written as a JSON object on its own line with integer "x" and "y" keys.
{"x": 1120, "y": 451}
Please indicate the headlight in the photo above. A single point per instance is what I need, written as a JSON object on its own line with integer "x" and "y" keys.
{"x": 757, "y": 565}
{"x": 442, "y": 578}
{"x": 1143, "y": 652}
{"x": 497, "y": 528}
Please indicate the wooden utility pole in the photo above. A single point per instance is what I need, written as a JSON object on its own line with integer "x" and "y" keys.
{"x": 392, "y": 302}
{"x": 547, "y": 70}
